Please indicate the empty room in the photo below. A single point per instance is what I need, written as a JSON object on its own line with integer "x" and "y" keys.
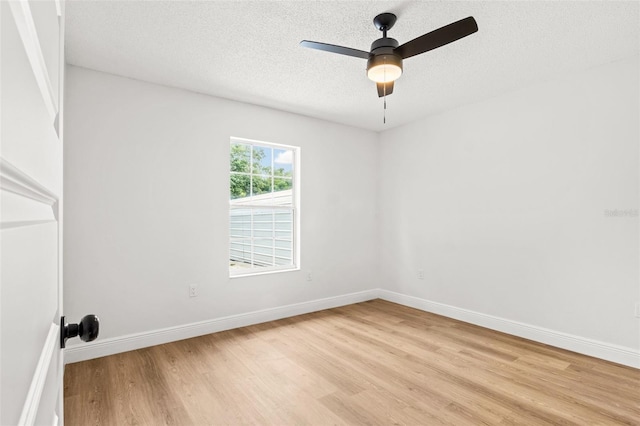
{"x": 320, "y": 212}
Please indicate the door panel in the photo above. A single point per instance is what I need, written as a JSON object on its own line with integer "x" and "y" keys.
{"x": 46, "y": 411}
{"x": 17, "y": 209}
{"x": 45, "y": 17}
{"x": 31, "y": 365}
{"x": 29, "y": 139}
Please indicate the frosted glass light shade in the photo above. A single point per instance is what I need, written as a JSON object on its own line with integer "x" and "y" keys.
{"x": 384, "y": 73}
{"x": 384, "y": 68}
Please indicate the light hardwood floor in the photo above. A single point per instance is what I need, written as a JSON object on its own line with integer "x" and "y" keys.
{"x": 370, "y": 363}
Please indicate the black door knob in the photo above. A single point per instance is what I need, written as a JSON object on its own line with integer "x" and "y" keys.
{"x": 88, "y": 329}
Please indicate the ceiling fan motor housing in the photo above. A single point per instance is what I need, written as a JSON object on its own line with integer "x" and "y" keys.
{"x": 383, "y": 56}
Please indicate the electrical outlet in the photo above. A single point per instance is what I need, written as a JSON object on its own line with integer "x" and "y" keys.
{"x": 637, "y": 310}
{"x": 193, "y": 290}
{"x": 421, "y": 274}
{"x": 309, "y": 276}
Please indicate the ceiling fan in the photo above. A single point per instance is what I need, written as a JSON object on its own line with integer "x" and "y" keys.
{"x": 384, "y": 61}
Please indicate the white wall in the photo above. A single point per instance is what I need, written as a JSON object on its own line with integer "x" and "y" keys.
{"x": 146, "y": 185}
{"x": 502, "y": 204}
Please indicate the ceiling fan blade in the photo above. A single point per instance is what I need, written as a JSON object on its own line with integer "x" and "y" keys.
{"x": 335, "y": 49}
{"x": 385, "y": 89}
{"x": 438, "y": 38}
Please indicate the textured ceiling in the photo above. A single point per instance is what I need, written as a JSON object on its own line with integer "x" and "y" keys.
{"x": 248, "y": 50}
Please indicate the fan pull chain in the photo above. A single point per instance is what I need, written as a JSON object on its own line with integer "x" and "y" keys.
{"x": 384, "y": 89}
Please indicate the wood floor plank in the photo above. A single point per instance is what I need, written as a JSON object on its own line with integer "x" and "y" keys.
{"x": 370, "y": 363}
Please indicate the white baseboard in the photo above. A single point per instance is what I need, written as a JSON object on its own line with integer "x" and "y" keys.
{"x": 618, "y": 354}
{"x": 99, "y": 348}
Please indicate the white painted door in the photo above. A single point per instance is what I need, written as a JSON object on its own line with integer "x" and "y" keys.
{"x": 32, "y": 65}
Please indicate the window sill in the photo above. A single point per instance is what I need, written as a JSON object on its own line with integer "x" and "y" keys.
{"x": 273, "y": 271}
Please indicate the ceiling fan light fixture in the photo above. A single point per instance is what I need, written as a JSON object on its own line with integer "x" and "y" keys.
{"x": 384, "y": 68}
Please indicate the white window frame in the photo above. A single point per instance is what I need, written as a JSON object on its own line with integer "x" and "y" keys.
{"x": 294, "y": 208}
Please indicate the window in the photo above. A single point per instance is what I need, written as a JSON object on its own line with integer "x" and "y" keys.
{"x": 262, "y": 207}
